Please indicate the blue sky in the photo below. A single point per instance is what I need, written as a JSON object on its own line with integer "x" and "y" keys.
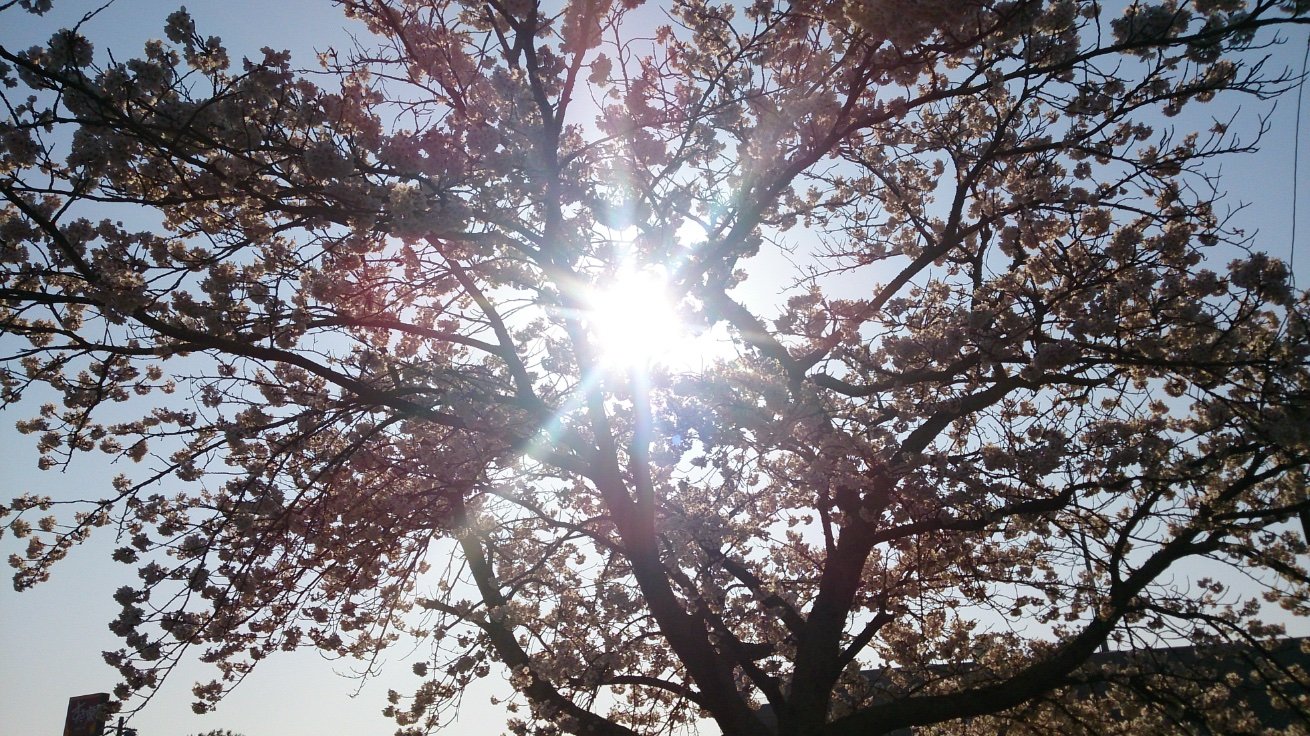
{"x": 51, "y": 637}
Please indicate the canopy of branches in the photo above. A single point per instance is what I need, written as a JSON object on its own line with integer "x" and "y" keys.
{"x": 670, "y": 361}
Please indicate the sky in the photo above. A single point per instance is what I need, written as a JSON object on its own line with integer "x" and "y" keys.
{"x": 51, "y": 637}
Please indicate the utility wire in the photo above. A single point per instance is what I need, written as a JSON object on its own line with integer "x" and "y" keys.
{"x": 1296, "y": 160}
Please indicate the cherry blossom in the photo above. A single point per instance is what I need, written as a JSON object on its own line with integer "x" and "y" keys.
{"x": 1004, "y": 386}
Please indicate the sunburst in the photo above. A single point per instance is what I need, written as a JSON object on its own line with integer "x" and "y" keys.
{"x": 637, "y": 321}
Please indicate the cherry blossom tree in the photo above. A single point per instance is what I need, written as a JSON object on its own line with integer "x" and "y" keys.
{"x": 945, "y": 362}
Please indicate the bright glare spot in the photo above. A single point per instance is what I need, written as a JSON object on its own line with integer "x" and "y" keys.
{"x": 635, "y": 322}
{"x": 690, "y": 233}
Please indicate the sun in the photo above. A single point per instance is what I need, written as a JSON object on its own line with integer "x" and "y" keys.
{"x": 635, "y": 322}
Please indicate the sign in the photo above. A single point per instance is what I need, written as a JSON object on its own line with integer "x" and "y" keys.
{"x": 86, "y": 715}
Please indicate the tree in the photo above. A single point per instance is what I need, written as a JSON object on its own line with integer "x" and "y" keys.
{"x": 1025, "y": 393}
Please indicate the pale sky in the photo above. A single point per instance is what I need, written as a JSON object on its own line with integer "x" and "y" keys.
{"x": 51, "y": 637}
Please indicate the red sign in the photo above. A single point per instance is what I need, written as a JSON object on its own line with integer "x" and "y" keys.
{"x": 86, "y": 715}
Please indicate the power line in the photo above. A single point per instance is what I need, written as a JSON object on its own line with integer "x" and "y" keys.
{"x": 1296, "y": 157}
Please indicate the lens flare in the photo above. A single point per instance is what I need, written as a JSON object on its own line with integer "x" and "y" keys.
{"x": 635, "y": 322}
